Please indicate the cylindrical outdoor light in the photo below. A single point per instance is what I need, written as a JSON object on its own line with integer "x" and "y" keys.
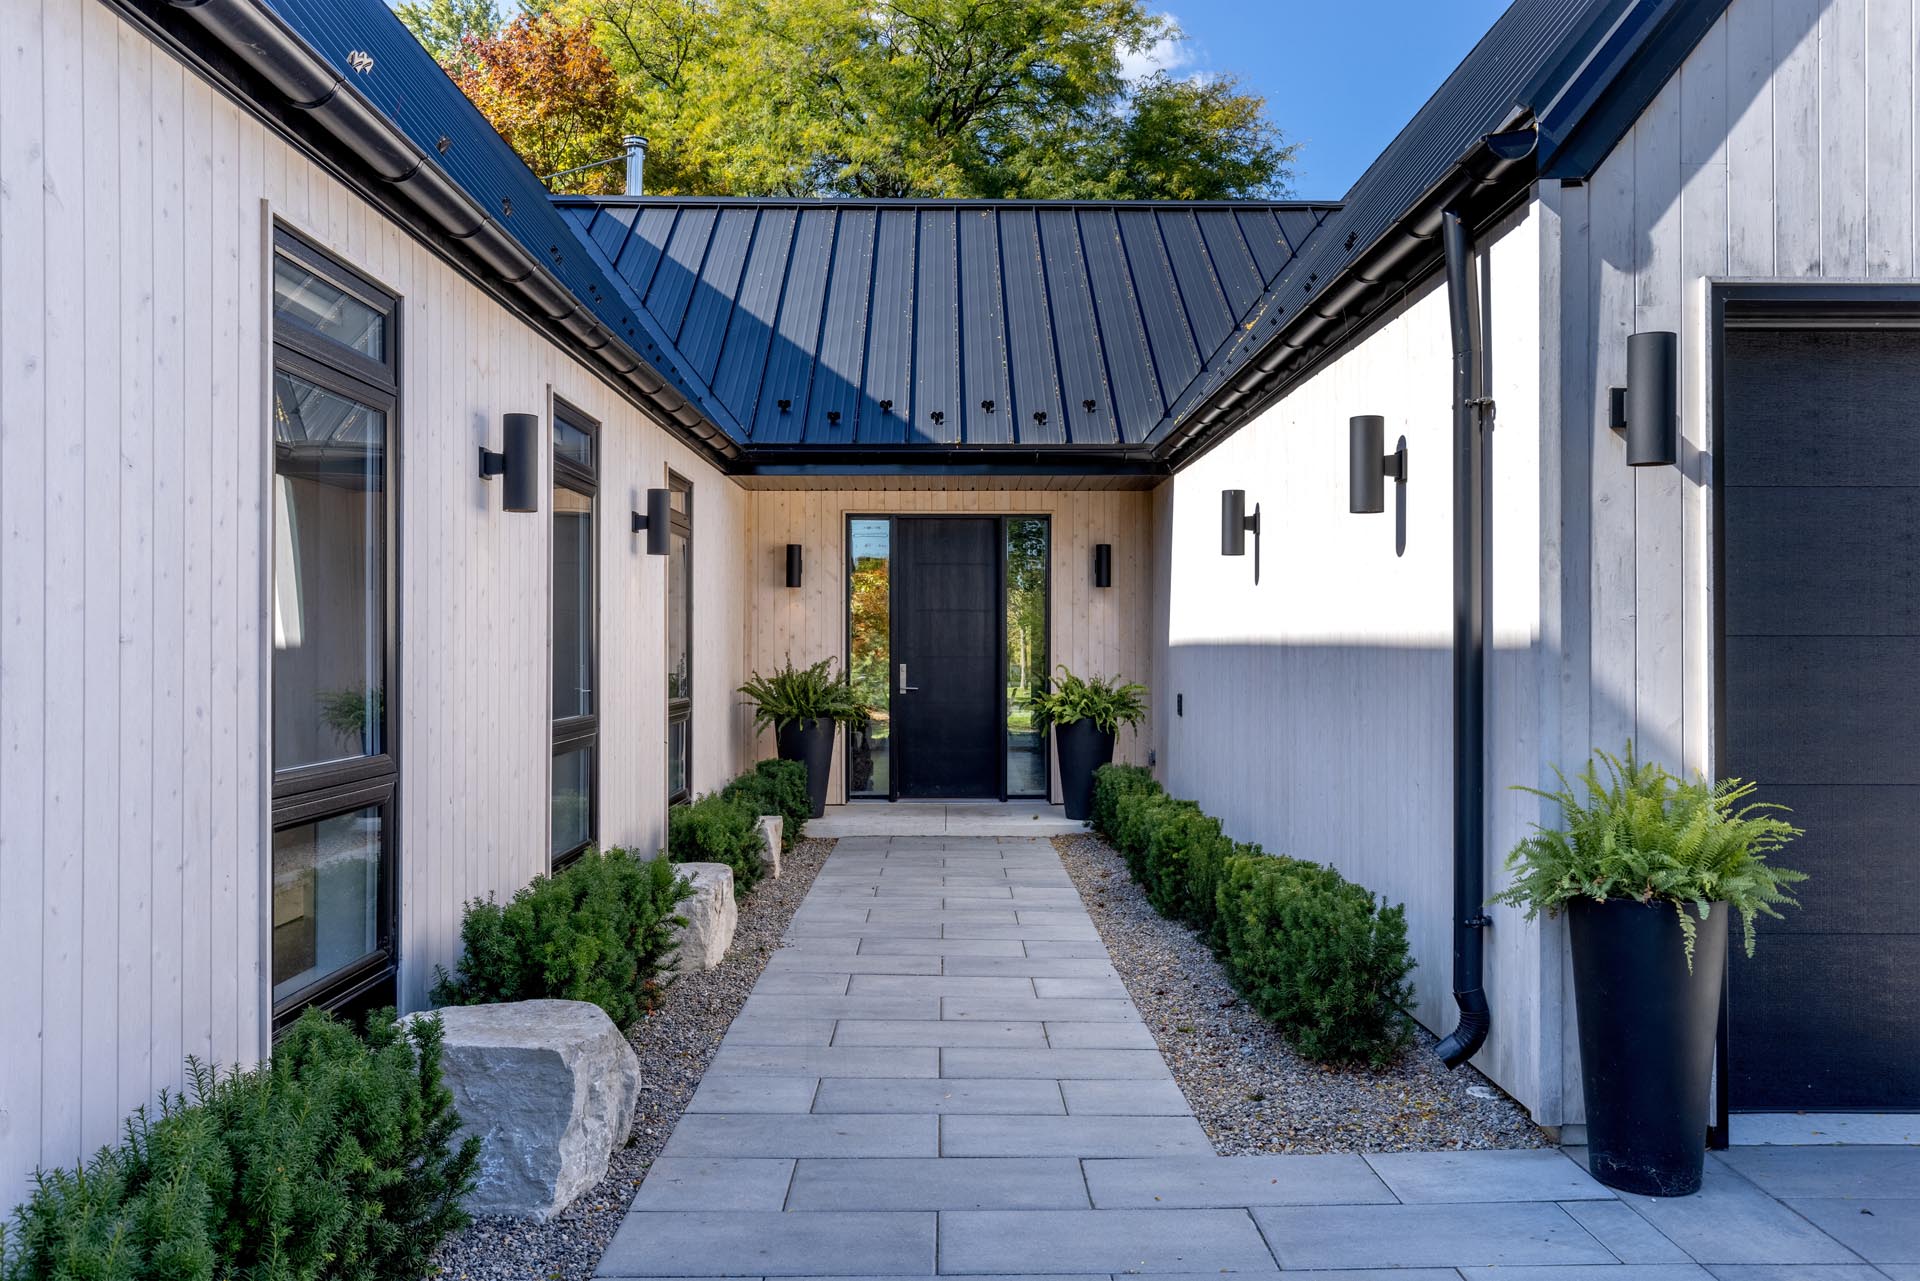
{"x": 517, "y": 463}
{"x": 1653, "y": 401}
{"x": 1366, "y": 478}
{"x": 1234, "y": 522}
{"x": 1103, "y": 564}
{"x": 793, "y": 564}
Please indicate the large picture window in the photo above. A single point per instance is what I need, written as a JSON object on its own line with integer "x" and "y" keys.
{"x": 335, "y": 391}
{"x": 576, "y": 618}
{"x": 680, "y": 641}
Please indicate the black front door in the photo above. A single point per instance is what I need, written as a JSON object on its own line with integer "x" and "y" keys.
{"x": 946, "y": 656}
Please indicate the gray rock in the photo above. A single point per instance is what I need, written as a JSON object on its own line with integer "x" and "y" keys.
{"x": 549, "y": 1087}
{"x": 772, "y": 831}
{"x": 711, "y": 915}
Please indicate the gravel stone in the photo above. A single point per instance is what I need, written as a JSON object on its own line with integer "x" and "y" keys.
{"x": 1250, "y": 1091}
{"x": 674, "y": 1045}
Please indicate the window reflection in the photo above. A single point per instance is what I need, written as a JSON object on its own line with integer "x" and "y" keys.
{"x": 1026, "y": 653}
{"x": 326, "y": 897}
{"x": 321, "y": 307}
{"x": 573, "y": 615}
{"x": 328, "y": 584}
{"x": 870, "y": 604}
{"x": 572, "y": 799}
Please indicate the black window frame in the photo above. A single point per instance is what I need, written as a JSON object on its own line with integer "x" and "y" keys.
{"x": 574, "y": 733}
{"x": 309, "y": 793}
{"x": 680, "y": 710}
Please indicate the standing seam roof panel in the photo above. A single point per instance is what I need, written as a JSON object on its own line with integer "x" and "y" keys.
{"x": 1083, "y": 371}
{"x": 843, "y": 336}
{"x": 717, "y": 289}
{"x": 1232, "y": 260}
{"x": 749, "y": 332}
{"x": 983, "y": 333}
{"x": 610, "y": 228}
{"x": 1137, "y": 404}
{"x": 1209, "y": 318}
{"x": 887, "y": 392}
{"x": 1036, "y": 385}
{"x": 1176, "y": 358}
{"x": 678, "y": 271}
{"x": 796, "y": 335}
{"x": 936, "y": 341}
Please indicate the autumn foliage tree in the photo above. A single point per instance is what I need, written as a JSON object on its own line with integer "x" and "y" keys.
{"x": 550, "y": 90}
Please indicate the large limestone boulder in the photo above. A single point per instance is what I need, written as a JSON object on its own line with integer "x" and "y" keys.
{"x": 772, "y": 832}
{"x": 710, "y": 914}
{"x": 550, "y": 1087}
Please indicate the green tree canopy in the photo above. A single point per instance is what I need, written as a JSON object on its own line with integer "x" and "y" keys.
{"x": 1009, "y": 98}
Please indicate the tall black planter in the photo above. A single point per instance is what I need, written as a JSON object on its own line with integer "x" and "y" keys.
{"x": 810, "y": 743}
{"x": 1646, "y": 1040}
{"x": 1084, "y": 748}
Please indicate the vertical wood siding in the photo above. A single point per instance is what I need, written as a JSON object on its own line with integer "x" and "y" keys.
{"x": 1105, "y": 632}
{"x": 1317, "y": 701}
{"x": 134, "y": 224}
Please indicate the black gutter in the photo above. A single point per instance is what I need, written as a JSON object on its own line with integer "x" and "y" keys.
{"x": 1472, "y": 419}
{"x": 1481, "y": 186}
{"x": 262, "y": 43}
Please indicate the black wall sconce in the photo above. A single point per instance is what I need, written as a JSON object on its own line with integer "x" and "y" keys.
{"x": 517, "y": 462}
{"x": 793, "y": 564}
{"x": 1647, "y": 410}
{"x": 1103, "y": 564}
{"x": 656, "y": 522}
{"x": 1369, "y": 464}
{"x": 1235, "y": 524}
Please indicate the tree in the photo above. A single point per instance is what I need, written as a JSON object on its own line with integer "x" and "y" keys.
{"x": 551, "y": 92}
{"x": 446, "y": 27}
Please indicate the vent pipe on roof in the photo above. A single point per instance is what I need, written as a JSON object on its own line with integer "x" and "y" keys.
{"x": 636, "y": 164}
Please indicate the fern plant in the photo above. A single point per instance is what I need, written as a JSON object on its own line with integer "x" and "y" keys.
{"x": 793, "y": 694}
{"x": 1642, "y": 834}
{"x": 1106, "y": 702}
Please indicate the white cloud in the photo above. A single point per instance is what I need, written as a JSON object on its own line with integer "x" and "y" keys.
{"x": 1169, "y": 54}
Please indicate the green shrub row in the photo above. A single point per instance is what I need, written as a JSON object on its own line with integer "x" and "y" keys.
{"x": 335, "y": 1159}
{"x": 723, "y": 827}
{"x": 1315, "y": 953}
{"x": 597, "y": 930}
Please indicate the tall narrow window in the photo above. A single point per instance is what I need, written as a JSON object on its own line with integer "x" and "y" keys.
{"x": 1026, "y": 579}
{"x": 576, "y": 721}
{"x": 334, "y": 766}
{"x": 869, "y": 653}
{"x": 680, "y": 642}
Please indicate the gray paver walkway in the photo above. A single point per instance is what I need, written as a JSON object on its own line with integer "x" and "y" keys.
{"x": 941, "y": 1073}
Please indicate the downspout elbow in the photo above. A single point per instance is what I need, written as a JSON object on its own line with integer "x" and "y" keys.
{"x": 1476, "y": 1020}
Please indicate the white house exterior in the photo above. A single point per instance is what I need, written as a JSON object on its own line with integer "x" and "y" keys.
{"x": 1741, "y": 175}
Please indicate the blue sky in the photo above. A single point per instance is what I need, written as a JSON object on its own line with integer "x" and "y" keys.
{"x": 1340, "y": 76}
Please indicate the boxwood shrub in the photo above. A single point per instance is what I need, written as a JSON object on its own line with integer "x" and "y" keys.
{"x": 335, "y": 1159}
{"x": 778, "y": 788}
{"x": 1321, "y": 957}
{"x": 598, "y": 930}
{"x": 717, "y": 829}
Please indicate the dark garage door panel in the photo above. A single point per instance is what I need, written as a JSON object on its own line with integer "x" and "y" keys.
{"x": 1821, "y": 668}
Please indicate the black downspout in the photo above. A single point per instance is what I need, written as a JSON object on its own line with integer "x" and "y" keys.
{"x": 1470, "y": 415}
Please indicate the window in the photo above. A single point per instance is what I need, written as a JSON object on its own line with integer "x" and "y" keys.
{"x": 869, "y": 643}
{"x": 576, "y": 619}
{"x": 680, "y": 641}
{"x": 335, "y": 389}
{"x": 1026, "y": 650}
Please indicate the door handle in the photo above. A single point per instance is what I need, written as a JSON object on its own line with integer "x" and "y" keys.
{"x": 904, "y": 687}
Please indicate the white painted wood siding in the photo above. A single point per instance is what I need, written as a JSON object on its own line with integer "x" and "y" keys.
{"x": 134, "y": 221}
{"x": 1105, "y": 632}
{"x": 1318, "y": 704}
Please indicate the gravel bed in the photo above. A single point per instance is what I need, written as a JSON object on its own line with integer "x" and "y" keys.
{"x": 674, "y": 1044}
{"x": 1250, "y": 1091}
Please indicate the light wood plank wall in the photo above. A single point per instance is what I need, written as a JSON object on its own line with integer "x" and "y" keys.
{"x": 134, "y": 796}
{"x": 1094, "y": 631}
{"x": 1783, "y": 149}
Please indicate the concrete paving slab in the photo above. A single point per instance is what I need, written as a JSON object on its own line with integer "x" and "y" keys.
{"x": 942, "y": 1183}
{"x": 1224, "y": 1181}
{"x": 1056, "y": 1065}
{"x": 737, "y": 1094}
{"x": 1839, "y": 1170}
{"x": 1592, "y": 1272}
{"x": 919, "y": 1096}
{"x": 731, "y": 1243}
{"x": 1732, "y": 1221}
{"x": 788, "y": 961}
{"x": 785, "y": 982}
{"x": 1502, "y": 1235}
{"x": 1032, "y": 967}
{"x": 938, "y": 1032}
{"x": 779, "y": 1135}
{"x": 1125, "y": 1098}
{"x": 1067, "y": 947}
{"x": 778, "y": 1031}
{"x": 1802, "y": 1272}
{"x": 1100, "y": 1036}
{"x": 1013, "y": 986}
{"x": 1057, "y": 1010}
{"x": 1080, "y": 1136}
{"x": 1541, "y": 1174}
{"x": 824, "y": 1061}
{"x": 1107, "y": 989}
{"x": 776, "y": 1005}
{"x": 1878, "y": 1229}
{"x": 1119, "y": 1241}
{"x": 943, "y": 947}
{"x": 715, "y": 1183}
{"x": 1627, "y": 1236}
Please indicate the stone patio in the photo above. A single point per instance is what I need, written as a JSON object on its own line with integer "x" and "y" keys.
{"x": 941, "y": 1073}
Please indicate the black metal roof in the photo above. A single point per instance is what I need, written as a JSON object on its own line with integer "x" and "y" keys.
{"x": 889, "y": 323}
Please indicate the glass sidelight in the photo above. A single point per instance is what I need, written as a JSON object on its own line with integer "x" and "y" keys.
{"x": 870, "y": 650}
{"x": 1026, "y": 647}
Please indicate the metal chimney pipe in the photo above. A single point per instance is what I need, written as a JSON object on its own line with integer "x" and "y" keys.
{"x": 636, "y": 164}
